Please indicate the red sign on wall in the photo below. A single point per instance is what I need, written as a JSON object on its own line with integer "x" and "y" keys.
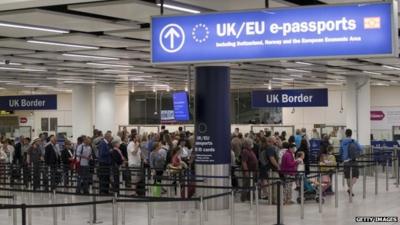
{"x": 23, "y": 120}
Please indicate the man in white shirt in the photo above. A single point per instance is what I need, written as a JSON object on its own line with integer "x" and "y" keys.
{"x": 134, "y": 161}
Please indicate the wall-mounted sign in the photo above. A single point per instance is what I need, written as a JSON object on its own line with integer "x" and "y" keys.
{"x": 167, "y": 115}
{"x": 181, "y": 106}
{"x": 290, "y": 98}
{"x": 28, "y": 102}
{"x": 23, "y": 120}
{"x": 332, "y": 31}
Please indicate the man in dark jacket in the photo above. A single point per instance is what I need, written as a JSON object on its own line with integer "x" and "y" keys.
{"x": 52, "y": 159}
{"x": 104, "y": 160}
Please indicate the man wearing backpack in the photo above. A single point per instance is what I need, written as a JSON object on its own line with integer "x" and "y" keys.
{"x": 350, "y": 149}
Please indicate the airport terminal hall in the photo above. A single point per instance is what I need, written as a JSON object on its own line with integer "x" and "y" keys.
{"x": 199, "y": 112}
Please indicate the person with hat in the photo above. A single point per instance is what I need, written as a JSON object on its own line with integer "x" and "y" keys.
{"x": 34, "y": 157}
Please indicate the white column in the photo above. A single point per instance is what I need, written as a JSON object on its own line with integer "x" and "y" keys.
{"x": 358, "y": 106}
{"x": 105, "y": 107}
{"x": 82, "y": 104}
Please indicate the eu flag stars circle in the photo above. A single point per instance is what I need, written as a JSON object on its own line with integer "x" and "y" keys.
{"x": 200, "y": 33}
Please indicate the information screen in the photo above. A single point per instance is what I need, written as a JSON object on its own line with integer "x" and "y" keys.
{"x": 181, "y": 106}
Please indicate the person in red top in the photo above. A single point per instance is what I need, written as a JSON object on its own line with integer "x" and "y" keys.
{"x": 249, "y": 164}
{"x": 288, "y": 168}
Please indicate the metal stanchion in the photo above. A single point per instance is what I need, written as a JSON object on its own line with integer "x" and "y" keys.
{"x": 179, "y": 204}
{"x": 387, "y": 175}
{"x": 29, "y": 202}
{"x": 148, "y": 214}
{"x": 270, "y": 189}
{"x": 123, "y": 212}
{"x": 351, "y": 184}
{"x": 336, "y": 187}
{"x": 364, "y": 183}
{"x": 91, "y": 215}
{"x": 23, "y": 214}
{"x": 232, "y": 197}
{"x": 114, "y": 210}
{"x": 54, "y": 208}
{"x": 257, "y": 206}
{"x": 376, "y": 177}
{"x": 63, "y": 208}
{"x": 251, "y": 190}
{"x": 320, "y": 193}
{"x": 201, "y": 210}
{"x": 343, "y": 178}
{"x": 280, "y": 203}
{"x": 302, "y": 196}
{"x": 14, "y": 211}
{"x": 206, "y": 209}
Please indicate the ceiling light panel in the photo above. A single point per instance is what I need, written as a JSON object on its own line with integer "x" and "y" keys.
{"x": 94, "y": 40}
{"x": 65, "y": 21}
{"x": 124, "y": 9}
{"x": 143, "y": 34}
{"x": 124, "y": 54}
{"x": 21, "y": 44}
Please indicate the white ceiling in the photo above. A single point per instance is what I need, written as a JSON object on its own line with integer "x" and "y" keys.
{"x": 120, "y": 31}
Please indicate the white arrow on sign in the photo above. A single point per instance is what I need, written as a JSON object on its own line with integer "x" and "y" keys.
{"x": 172, "y": 33}
{"x": 175, "y": 35}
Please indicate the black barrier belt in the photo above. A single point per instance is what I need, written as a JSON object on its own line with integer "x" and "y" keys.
{"x": 6, "y": 196}
{"x": 216, "y": 195}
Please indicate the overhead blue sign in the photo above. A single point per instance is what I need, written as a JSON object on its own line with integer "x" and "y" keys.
{"x": 290, "y": 98}
{"x": 351, "y": 30}
{"x": 28, "y": 102}
{"x": 181, "y": 106}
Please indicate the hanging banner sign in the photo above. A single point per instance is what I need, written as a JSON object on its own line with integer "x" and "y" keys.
{"x": 28, "y": 102}
{"x": 330, "y": 31}
{"x": 290, "y": 98}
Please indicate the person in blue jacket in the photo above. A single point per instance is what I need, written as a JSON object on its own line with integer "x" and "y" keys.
{"x": 350, "y": 149}
{"x": 105, "y": 160}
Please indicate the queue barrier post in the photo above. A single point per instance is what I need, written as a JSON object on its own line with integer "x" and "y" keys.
{"x": 206, "y": 209}
{"x": 201, "y": 207}
{"x": 350, "y": 182}
{"x": 232, "y": 206}
{"x": 364, "y": 182}
{"x": 114, "y": 210}
{"x": 29, "y": 202}
{"x": 320, "y": 192}
{"x": 270, "y": 190}
{"x": 148, "y": 214}
{"x": 14, "y": 211}
{"x": 279, "y": 205}
{"x": 376, "y": 177}
{"x": 257, "y": 206}
{"x": 178, "y": 193}
{"x": 54, "y": 201}
{"x": 23, "y": 214}
{"x": 302, "y": 196}
{"x": 90, "y": 215}
{"x": 63, "y": 208}
{"x": 336, "y": 188}
{"x": 387, "y": 175}
{"x": 251, "y": 190}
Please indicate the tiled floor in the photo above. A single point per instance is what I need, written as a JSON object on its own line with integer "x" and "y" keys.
{"x": 384, "y": 204}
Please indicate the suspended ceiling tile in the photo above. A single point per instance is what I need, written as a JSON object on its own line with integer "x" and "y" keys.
{"x": 47, "y": 18}
{"x": 235, "y": 4}
{"x": 94, "y": 40}
{"x": 21, "y": 44}
{"x": 13, "y": 51}
{"x": 19, "y": 4}
{"x": 28, "y": 60}
{"x": 143, "y": 34}
{"x": 124, "y": 9}
{"x": 124, "y": 54}
{"x": 366, "y": 67}
{"x": 387, "y": 61}
{"x": 20, "y": 33}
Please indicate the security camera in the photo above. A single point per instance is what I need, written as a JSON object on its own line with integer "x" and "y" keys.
{"x": 7, "y": 61}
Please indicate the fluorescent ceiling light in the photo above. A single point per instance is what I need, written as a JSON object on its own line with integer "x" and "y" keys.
{"x": 296, "y": 70}
{"x": 333, "y": 83}
{"x": 136, "y": 79}
{"x": 179, "y": 8}
{"x": 123, "y": 71}
{"x": 391, "y": 67}
{"x": 2, "y": 88}
{"x": 283, "y": 79}
{"x": 89, "y": 56}
{"x": 78, "y": 82}
{"x": 61, "y": 44}
{"x": 23, "y": 69}
{"x": 109, "y": 65}
{"x": 296, "y": 75}
{"x": 304, "y": 63}
{"x": 373, "y": 73}
{"x": 10, "y": 63}
{"x": 2, "y": 24}
{"x": 394, "y": 81}
{"x": 380, "y": 84}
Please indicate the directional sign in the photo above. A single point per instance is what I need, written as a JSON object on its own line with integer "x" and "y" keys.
{"x": 290, "y": 98}
{"x": 333, "y": 31}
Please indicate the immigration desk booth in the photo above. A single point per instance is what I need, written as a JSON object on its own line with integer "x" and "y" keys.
{"x": 210, "y": 41}
{"x": 14, "y": 122}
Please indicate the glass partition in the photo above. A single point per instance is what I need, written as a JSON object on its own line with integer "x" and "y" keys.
{"x": 66, "y": 131}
